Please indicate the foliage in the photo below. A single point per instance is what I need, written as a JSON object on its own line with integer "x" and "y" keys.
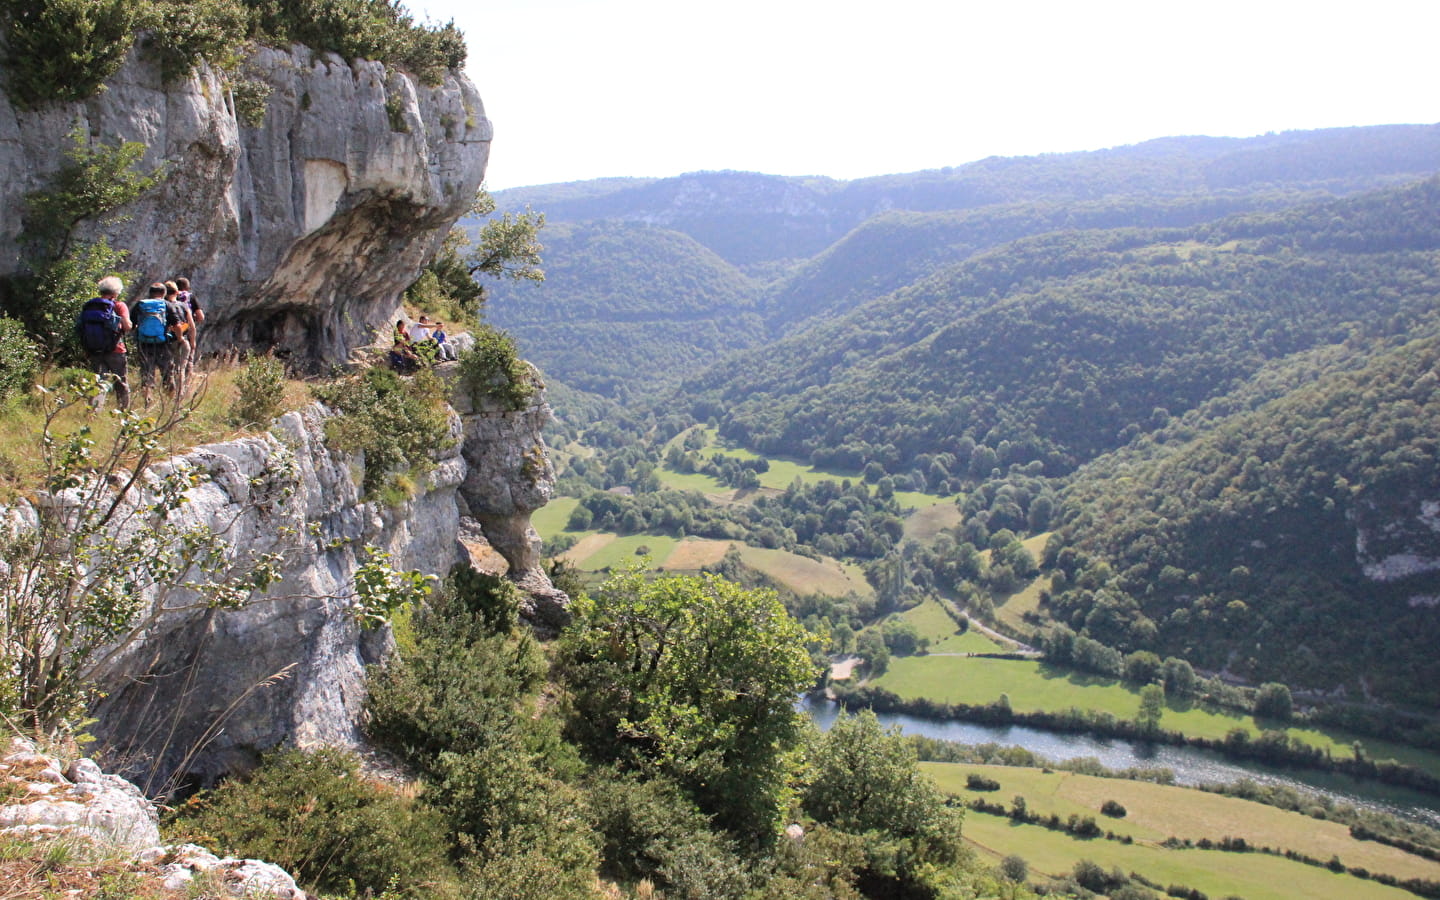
{"x": 446, "y": 289}
{"x": 1235, "y": 540}
{"x": 865, "y": 780}
{"x": 394, "y": 421}
{"x": 64, "y": 50}
{"x": 93, "y": 183}
{"x": 316, "y": 816}
{"x": 105, "y": 556}
{"x": 493, "y": 368}
{"x": 651, "y": 830}
{"x": 508, "y": 247}
{"x": 694, "y": 678}
{"x": 260, "y": 392}
{"x": 19, "y": 359}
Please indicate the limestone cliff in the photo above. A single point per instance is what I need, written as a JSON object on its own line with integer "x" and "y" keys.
{"x": 298, "y": 234}
{"x": 206, "y": 690}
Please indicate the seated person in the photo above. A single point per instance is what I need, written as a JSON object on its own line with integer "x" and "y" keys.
{"x": 442, "y": 343}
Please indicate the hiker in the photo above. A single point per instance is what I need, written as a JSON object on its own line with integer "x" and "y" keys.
{"x": 181, "y": 348}
{"x": 442, "y": 342}
{"x": 155, "y": 320}
{"x": 197, "y": 317}
{"x": 101, "y": 328}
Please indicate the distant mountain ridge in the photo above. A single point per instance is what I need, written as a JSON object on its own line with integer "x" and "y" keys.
{"x": 803, "y": 248}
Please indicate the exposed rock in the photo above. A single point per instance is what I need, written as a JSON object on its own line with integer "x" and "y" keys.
{"x": 206, "y": 690}
{"x": 1390, "y": 545}
{"x": 299, "y": 234}
{"x": 510, "y": 476}
{"x": 81, "y": 802}
{"x": 110, "y": 814}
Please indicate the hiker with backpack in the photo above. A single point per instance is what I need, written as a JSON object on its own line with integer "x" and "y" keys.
{"x": 154, "y": 321}
{"x": 183, "y": 334}
{"x": 101, "y": 328}
{"x": 197, "y": 318}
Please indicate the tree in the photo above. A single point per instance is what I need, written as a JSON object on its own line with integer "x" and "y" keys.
{"x": 1152, "y": 706}
{"x": 1273, "y": 701}
{"x": 508, "y": 247}
{"x": 697, "y": 677}
{"x": 865, "y": 780}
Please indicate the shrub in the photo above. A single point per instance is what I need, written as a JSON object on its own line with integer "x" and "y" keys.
{"x": 494, "y": 369}
{"x": 1112, "y": 809}
{"x": 65, "y": 49}
{"x": 19, "y": 359}
{"x": 314, "y": 815}
{"x": 976, "y": 782}
{"x": 260, "y": 388}
{"x": 392, "y": 420}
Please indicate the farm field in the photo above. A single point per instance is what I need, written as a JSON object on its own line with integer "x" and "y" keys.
{"x": 804, "y": 575}
{"x": 598, "y": 551}
{"x": 1155, "y": 812}
{"x": 1254, "y": 876}
{"x": 781, "y": 474}
{"x": 1033, "y": 686}
{"x": 933, "y": 623}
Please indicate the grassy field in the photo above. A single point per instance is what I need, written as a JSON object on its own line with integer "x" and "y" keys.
{"x": 1253, "y": 876}
{"x": 804, "y": 575}
{"x": 549, "y": 520}
{"x": 928, "y": 521}
{"x": 934, "y": 624}
{"x": 1156, "y": 812}
{"x": 782, "y": 473}
{"x": 1033, "y": 686}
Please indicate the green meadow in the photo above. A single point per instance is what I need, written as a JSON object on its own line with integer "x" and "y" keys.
{"x": 1156, "y": 812}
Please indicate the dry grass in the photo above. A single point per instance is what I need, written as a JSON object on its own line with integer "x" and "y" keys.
{"x": 55, "y": 869}
{"x": 204, "y": 418}
{"x": 693, "y": 554}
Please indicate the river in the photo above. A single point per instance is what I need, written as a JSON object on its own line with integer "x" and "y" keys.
{"x": 1191, "y": 765}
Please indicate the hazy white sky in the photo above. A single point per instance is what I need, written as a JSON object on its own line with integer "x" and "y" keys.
{"x": 583, "y": 89}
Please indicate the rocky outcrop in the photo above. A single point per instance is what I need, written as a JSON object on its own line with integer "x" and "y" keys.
{"x": 299, "y": 234}
{"x": 92, "y": 812}
{"x": 205, "y": 690}
{"x": 1397, "y": 539}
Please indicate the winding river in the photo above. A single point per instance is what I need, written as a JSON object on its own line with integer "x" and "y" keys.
{"x": 1191, "y": 766}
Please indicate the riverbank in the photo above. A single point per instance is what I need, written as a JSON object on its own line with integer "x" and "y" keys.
{"x": 1271, "y": 748}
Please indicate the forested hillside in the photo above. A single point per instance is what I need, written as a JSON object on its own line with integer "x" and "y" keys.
{"x": 1290, "y": 541}
{"x": 1069, "y": 344}
{"x": 810, "y": 248}
{"x": 625, "y": 309}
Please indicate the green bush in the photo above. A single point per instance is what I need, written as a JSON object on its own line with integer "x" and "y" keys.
{"x": 260, "y": 388}
{"x": 19, "y": 359}
{"x": 394, "y": 421}
{"x": 314, "y": 815}
{"x": 65, "y": 49}
{"x": 494, "y": 369}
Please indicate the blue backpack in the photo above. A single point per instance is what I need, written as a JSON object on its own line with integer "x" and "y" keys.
{"x": 151, "y": 325}
{"x": 98, "y": 326}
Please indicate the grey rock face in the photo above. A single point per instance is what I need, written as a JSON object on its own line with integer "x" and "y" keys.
{"x": 298, "y": 235}
{"x": 205, "y": 690}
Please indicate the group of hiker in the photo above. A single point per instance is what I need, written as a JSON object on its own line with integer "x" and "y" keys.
{"x": 419, "y": 344}
{"x": 166, "y": 331}
{"x": 165, "y": 323}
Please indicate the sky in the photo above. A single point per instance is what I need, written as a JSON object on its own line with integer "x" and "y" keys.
{"x": 581, "y": 89}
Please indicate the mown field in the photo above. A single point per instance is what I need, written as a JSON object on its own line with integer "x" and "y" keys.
{"x": 1156, "y": 812}
{"x": 781, "y": 474}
